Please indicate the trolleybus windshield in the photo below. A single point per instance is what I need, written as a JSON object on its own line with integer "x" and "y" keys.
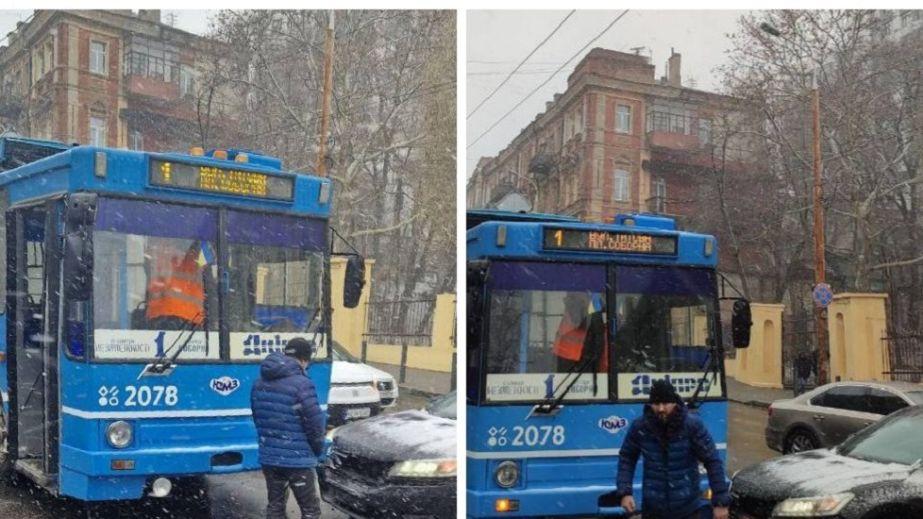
{"x": 156, "y": 281}
{"x": 546, "y": 319}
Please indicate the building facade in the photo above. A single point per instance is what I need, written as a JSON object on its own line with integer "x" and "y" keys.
{"x": 112, "y": 78}
{"x": 617, "y": 140}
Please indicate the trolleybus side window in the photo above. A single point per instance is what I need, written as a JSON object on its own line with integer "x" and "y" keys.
{"x": 665, "y": 324}
{"x": 276, "y": 262}
{"x": 545, "y": 320}
{"x": 154, "y": 280}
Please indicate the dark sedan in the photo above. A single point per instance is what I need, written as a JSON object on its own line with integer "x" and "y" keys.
{"x": 874, "y": 474}
{"x": 395, "y": 465}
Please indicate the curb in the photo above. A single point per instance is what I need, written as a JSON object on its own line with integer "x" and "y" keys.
{"x": 752, "y": 403}
{"x": 418, "y": 392}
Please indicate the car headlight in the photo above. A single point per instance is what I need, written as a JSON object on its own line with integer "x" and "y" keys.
{"x": 383, "y": 385}
{"x": 331, "y": 434}
{"x": 441, "y": 468}
{"x": 507, "y": 474}
{"x": 119, "y": 434}
{"x": 819, "y": 506}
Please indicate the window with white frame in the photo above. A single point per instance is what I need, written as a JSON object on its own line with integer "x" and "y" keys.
{"x": 186, "y": 83}
{"x": 97, "y": 131}
{"x": 622, "y": 186}
{"x": 704, "y": 131}
{"x": 98, "y": 57}
{"x": 623, "y": 119}
{"x": 135, "y": 140}
{"x": 660, "y": 195}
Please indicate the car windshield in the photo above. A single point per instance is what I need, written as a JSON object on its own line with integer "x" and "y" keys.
{"x": 342, "y": 354}
{"x": 442, "y": 406}
{"x": 155, "y": 278}
{"x": 895, "y": 439}
{"x": 547, "y": 319}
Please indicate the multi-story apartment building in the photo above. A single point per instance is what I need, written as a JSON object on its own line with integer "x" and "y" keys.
{"x": 618, "y": 139}
{"x": 111, "y": 78}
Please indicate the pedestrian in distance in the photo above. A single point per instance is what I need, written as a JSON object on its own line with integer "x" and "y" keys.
{"x": 673, "y": 442}
{"x": 290, "y": 426}
{"x": 804, "y": 366}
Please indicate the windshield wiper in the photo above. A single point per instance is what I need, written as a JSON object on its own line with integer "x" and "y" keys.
{"x": 161, "y": 364}
{"x": 711, "y": 368}
{"x": 573, "y": 375}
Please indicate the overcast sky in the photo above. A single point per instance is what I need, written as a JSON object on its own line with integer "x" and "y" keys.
{"x": 498, "y": 40}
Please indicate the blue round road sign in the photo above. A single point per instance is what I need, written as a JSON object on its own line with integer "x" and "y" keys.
{"x": 822, "y": 294}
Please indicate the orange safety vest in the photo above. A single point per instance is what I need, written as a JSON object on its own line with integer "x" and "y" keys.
{"x": 568, "y": 344}
{"x": 180, "y": 293}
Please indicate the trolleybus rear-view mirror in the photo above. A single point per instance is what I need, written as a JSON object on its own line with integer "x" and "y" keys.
{"x": 477, "y": 278}
{"x": 354, "y": 280}
{"x": 78, "y": 247}
{"x": 740, "y": 323}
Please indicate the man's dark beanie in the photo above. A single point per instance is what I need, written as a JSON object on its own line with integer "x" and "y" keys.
{"x": 662, "y": 392}
{"x": 299, "y": 348}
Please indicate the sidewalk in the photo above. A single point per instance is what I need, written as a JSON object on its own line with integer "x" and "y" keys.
{"x": 752, "y": 395}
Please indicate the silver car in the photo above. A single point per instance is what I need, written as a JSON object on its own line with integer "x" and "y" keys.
{"x": 825, "y": 416}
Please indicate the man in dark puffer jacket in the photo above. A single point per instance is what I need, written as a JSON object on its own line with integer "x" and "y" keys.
{"x": 673, "y": 442}
{"x": 290, "y": 426}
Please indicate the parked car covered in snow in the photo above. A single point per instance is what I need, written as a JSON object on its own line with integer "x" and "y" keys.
{"x": 875, "y": 474}
{"x": 357, "y": 390}
{"x": 395, "y": 465}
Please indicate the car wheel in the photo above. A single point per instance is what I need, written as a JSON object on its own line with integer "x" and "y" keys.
{"x": 799, "y": 440}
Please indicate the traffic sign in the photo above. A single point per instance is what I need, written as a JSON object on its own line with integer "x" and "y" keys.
{"x": 822, "y": 295}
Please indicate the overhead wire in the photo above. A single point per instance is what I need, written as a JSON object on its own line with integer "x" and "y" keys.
{"x": 553, "y": 74}
{"x": 521, "y": 63}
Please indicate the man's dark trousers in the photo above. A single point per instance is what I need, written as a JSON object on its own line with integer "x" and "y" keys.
{"x": 301, "y": 481}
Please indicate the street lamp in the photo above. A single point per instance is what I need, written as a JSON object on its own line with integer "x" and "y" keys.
{"x": 820, "y": 316}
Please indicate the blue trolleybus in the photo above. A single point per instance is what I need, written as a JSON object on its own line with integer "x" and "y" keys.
{"x": 142, "y": 291}
{"x": 569, "y": 323}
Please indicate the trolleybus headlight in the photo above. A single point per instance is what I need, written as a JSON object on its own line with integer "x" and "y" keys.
{"x": 444, "y": 468}
{"x": 119, "y": 434}
{"x": 507, "y": 474}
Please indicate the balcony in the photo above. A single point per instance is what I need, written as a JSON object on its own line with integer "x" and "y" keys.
{"x": 674, "y": 131}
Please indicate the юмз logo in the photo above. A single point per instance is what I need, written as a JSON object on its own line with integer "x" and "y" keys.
{"x": 613, "y": 424}
{"x": 224, "y": 385}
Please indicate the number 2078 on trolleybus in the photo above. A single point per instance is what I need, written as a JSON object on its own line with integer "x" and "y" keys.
{"x": 142, "y": 291}
{"x": 569, "y": 323}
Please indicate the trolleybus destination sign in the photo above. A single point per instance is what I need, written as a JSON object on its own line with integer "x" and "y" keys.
{"x": 220, "y": 180}
{"x": 608, "y": 241}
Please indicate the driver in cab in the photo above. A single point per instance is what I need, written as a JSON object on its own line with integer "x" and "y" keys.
{"x": 581, "y": 335}
{"x": 176, "y": 291}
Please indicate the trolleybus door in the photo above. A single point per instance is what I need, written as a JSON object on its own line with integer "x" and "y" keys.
{"x": 34, "y": 393}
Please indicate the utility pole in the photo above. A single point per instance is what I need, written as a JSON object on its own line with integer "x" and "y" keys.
{"x": 820, "y": 264}
{"x": 321, "y": 168}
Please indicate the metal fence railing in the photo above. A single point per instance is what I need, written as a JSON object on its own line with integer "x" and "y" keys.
{"x": 400, "y": 321}
{"x": 798, "y": 338}
{"x": 905, "y": 356}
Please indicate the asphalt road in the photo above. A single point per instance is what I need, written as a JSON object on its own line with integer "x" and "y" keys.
{"x": 746, "y": 443}
{"x": 231, "y": 496}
